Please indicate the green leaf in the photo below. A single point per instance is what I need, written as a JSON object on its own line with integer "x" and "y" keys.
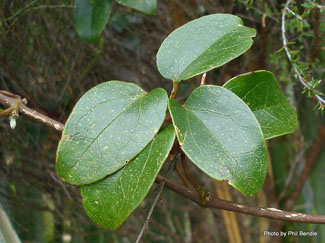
{"x": 110, "y": 201}
{"x": 145, "y": 6}
{"x": 262, "y": 93}
{"x": 203, "y": 44}
{"x": 220, "y": 134}
{"x": 90, "y": 18}
{"x": 107, "y": 128}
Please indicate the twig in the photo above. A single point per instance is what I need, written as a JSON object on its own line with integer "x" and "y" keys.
{"x": 317, "y": 5}
{"x": 146, "y": 223}
{"x": 188, "y": 173}
{"x": 161, "y": 187}
{"x": 182, "y": 176}
{"x": 296, "y": 15}
{"x": 27, "y": 9}
{"x": 204, "y": 195}
{"x": 285, "y": 47}
{"x": 271, "y": 213}
{"x": 8, "y": 101}
{"x": 20, "y": 11}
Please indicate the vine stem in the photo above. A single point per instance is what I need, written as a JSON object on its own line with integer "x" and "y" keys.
{"x": 286, "y": 49}
{"x": 271, "y": 213}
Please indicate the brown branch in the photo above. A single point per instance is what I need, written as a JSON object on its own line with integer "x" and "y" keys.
{"x": 182, "y": 176}
{"x": 271, "y": 213}
{"x": 8, "y": 101}
{"x": 146, "y": 223}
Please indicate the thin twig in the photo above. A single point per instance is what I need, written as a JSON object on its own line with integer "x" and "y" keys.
{"x": 317, "y": 5}
{"x": 146, "y": 223}
{"x": 161, "y": 187}
{"x": 296, "y": 15}
{"x": 8, "y": 101}
{"x": 20, "y": 11}
{"x": 182, "y": 176}
{"x": 271, "y": 213}
{"x": 286, "y": 49}
{"x": 26, "y": 9}
{"x": 188, "y": 173}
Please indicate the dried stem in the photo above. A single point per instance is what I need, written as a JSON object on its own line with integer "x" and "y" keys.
{"x": 271, "y": 213}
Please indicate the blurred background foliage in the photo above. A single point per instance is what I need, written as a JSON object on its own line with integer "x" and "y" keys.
{"x": 43, "y": 59}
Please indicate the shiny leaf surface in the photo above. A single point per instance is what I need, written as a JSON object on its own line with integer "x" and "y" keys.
{"x": 111, "y": 200}
{"x": 220, "y": 134}
{"x": 203, "y": 44}
{"x": 110, "y": 125}
{"x": 263, "y": 95}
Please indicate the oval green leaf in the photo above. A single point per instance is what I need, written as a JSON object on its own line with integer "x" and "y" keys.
{"x": 220, "y": 134}
{"x": 202, "y": 45}
{"x": 145, "y": 6}
{"x": 262, "y": 93}
{"x": 90, "y": 18}
{"x": 110, "y": 201}
{"x": 110, "y": 125}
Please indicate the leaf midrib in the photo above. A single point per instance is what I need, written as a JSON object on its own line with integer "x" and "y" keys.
{"x": 180, "y": 74}
{"x": 210, "y": 132}
{"x": 92, "y": 142}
